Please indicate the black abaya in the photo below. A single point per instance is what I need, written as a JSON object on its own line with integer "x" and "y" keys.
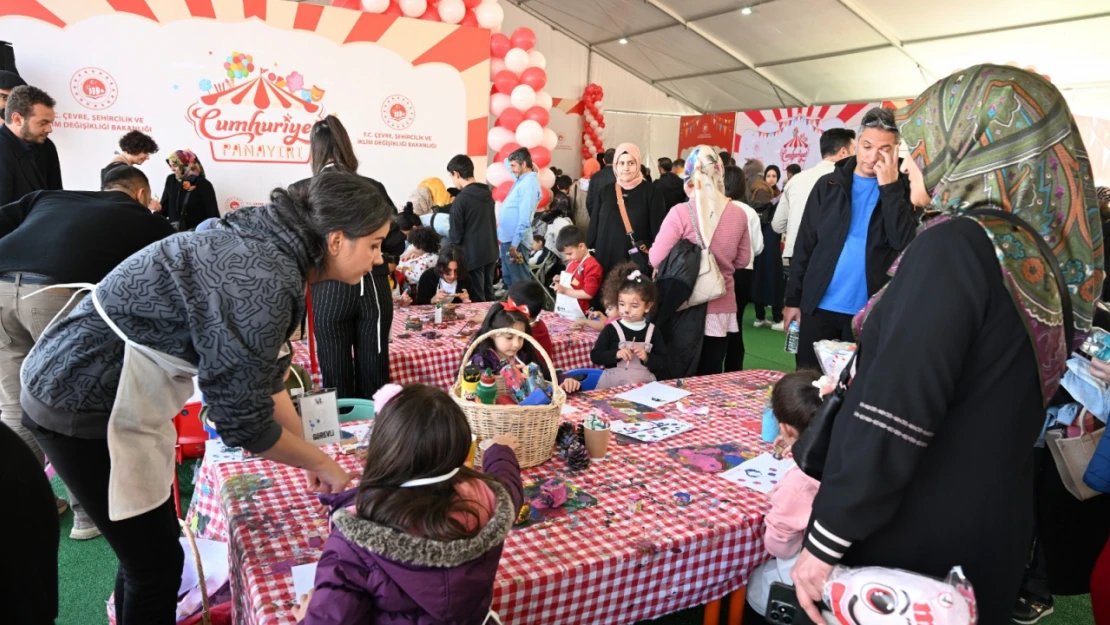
{"x": 606, "y": 234}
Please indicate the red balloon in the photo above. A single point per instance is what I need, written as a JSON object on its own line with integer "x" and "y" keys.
{"x": 534, "y": 77}
{"x": 431, "y": 15}
{"x": 541, "y": 156}
{"x": 524, "y": 38}
{"x": 539, "y": 115}
{"x": 347, "y": 4}
{"x": 394, "y": 10}
{"x": 472, "y": 4}
{"x": 506, "y": 150}
{"x": 501, "y": 191}
{"x": 510, "y": 118}
{"x": 469, "y": 19}
{"x": 545, "y": 198}
{"x": 505, "y": 81}
{"x": 499, "y": 45}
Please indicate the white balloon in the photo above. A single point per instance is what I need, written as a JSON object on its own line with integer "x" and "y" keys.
{"x": 550, "y": 139}
{"x": 529, "y": 134}
{"x": 547, "y": 178}
{"x": 523, "y": 97}
{"x": 516, "y": 59}
{"x": 498, "y": 102}
{"x": 490, "y": 15}
{"x": 593, "y": 123}
{"x": 375, "y": 6}
{"x": 543, "y": 100}
{"x": 537, "y": 59}
{"x": 498, "y": 136}
{"x": 413, "y": 8}
{"x": 496, "y": 66}
{"x": 451, "y": 11}
{"x": 496, "y": 174}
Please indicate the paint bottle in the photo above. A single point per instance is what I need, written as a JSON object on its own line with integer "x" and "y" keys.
{"x": 770, "y": 430}
{"x": 439, "y": 313}
{"x": 487, "y": 388}
{"x": 472, "y": 374}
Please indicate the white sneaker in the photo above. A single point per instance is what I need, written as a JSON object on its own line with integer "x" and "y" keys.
{"x": 761, "y": 324}
{"x": 778, "y": 327}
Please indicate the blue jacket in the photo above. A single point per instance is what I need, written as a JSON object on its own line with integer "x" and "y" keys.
{"x": 1098, "y": 471}
{"x": 518, "y": 208}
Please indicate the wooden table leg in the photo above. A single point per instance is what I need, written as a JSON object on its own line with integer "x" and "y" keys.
{"x": 712, "y": 613}
{"x": 736, "y": 606}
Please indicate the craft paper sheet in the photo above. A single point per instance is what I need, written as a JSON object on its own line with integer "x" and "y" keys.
{"x": 652, "y": 431}
{"x": 759, "y": 474}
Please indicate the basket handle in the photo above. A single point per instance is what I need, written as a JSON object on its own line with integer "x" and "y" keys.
{"x": 206, "y": 610}
{"x": 539, "y": 349}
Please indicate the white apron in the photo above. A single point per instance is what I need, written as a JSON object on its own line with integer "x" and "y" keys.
{"x": 153, "y": 387}
{"x": 566, "y": 306}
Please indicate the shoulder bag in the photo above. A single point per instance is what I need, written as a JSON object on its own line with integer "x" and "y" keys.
{"x": 638, "y": 253}
{"x": 710, "y": 283}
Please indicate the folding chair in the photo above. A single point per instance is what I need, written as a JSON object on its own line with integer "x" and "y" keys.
{"x": 539, "y": 272}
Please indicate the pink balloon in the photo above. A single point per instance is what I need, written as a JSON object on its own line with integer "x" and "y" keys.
{"x": 541, "y": 156}
{"x": 499, "y": 45}
{"x": 502, "y": 191}
{"x": 505, "y": 82}
{"x": 506, "y": 150}
{"x": 496, "y": 66}
{"x": 510, "y": 118}
{"x": 524, "y": 38}
{"x": 534, "y": 77}
{"x": 498, "y": 102}
{"x": 538, "y": 115}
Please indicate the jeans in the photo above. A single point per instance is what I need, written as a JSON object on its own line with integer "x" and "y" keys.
{"x": 481, "y": 281}
{"x": 513, "y": 272}
{"x": 150, "y": 557}
{"x": 22, "y": 322}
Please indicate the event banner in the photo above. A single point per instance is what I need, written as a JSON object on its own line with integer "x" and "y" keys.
{"x": 241, "y": 82}
{"x": 793, "y": 135}
{"x": 714, "y": 130}
{"x": 566, "y": 121}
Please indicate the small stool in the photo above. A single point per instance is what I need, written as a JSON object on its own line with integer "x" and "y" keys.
{"x": 736, "y": 600}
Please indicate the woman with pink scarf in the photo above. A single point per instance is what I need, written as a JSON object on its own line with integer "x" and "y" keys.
{"x": 645, "y": 208}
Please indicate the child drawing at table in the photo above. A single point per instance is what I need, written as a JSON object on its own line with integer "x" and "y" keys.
{"x": 530, "y": 295}
{"x": 419, "y": 540}
{"x": 795, "y": 401}
{"x": 502, "y": 349}
{"x": 628, "y": 347}
{"x": 580, "y": 283}
{"x": 596, "y": 320}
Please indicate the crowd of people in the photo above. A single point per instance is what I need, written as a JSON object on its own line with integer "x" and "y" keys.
{"x": 959, "y": 319}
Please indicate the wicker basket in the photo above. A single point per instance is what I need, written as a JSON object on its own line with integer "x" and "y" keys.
{"x": 534, "y": 426}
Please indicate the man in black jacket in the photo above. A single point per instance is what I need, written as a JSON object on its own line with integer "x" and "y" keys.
{"x": 474, "y": 227}
{"x": 857, "y": 221}
{"x": 602, "y": 178}
{"x": 60, "y": 237}
{"x": 26, "y": 164}
{"x": 669, "y": 184}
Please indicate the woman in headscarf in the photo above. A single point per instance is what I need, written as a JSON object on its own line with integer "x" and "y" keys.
{"x": 645, "y": 209}
{"x": 723, "y": 225}
{"x": 188, "y": 197}
{"x": 931, "y": 461}
{"x": 768, "y": 281}
{"x": 771, "y": 176}
{"x": 431, "y": 192}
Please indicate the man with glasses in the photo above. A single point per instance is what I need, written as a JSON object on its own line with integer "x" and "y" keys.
{"x": 858, "y": 218}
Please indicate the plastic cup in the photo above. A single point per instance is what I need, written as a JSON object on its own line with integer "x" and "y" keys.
{"x": 597, "y": 443}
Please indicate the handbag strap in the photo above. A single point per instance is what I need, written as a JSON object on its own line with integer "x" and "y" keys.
{"x": 1050, "y": 260}
{"x": 696, "y": 224}
{"x": 624, "y": 214}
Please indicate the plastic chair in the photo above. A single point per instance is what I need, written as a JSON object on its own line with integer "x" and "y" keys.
{"x": 592, "y": 377}
{"x": 355, "y": 410}
{"x": 191, "y": 438}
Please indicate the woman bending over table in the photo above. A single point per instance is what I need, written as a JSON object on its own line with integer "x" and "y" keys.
{"x": 102, "y": 385}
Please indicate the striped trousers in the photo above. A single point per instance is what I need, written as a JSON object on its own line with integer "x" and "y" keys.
{"x": 352, "y": 335}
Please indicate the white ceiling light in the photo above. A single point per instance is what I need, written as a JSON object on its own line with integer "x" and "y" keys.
{"x": 746, "y": 11}
{"x": 623, "y": 41}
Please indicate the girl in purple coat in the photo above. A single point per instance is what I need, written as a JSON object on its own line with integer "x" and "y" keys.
{"x": 419, "y": 540}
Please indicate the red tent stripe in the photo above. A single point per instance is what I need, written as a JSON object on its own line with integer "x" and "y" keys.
{"x": 476, "y": 131}
{"x": 308, "y": 16}
{"x": 462, "y": 49}
{"x": 32, "y": 9}
{"x": 138, "y": 7}
{"x": 370, "y": 27}
{"x": 849, "y": 110}
{"x": 824, "y": 111}
{"x": 254, "y": 8}
{"x": 756, "y": 117}
{"x": 201, "y": 8}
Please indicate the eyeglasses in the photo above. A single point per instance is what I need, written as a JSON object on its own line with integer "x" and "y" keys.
{"x": 878, "y": 123}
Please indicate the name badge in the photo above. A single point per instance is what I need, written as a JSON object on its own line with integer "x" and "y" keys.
{"x": 320, "y": 417}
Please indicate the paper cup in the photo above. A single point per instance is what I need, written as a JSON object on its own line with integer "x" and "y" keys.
{"x": 597, "y": 443}
{"x": 473, "y": 448}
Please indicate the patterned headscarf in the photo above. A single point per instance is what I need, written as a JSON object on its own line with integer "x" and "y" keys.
{"x": 421, "y": 200}
{"x": 186, "y": 167}
{"x": 1004, "y": 137}
{"x": 704, "y": 165}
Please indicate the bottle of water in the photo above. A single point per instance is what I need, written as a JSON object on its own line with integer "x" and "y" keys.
{"x": 792, "y": 335}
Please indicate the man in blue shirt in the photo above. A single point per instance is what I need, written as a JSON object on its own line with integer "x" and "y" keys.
{"x": 514, "y": 230}
{"x": 858, "y": 219}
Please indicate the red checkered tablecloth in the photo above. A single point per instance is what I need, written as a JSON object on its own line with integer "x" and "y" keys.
{"x": 604, "y": 564}
{"x": 414, "y": 358}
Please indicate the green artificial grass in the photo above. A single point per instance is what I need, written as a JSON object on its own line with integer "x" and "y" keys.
{"x": 87, "y": 569}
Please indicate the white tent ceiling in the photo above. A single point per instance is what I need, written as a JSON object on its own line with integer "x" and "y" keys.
{"x": 711, "y": 56}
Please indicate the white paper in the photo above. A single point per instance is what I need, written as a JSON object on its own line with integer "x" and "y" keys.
{"x": 216, "y": 452}
{"x": 651, "y": 431}
{"x": 654, "y": 394}
{"x": 760, "y": 474}
{"x": 320, "y": 418}
{"x": 304, "y": 578}
{"x": 568, "y": 409}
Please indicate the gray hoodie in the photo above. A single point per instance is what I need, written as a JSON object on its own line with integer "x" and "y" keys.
{"x": 225, "y": 299}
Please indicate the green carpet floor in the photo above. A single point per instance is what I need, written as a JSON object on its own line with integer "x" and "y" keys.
{"x": 87, "y": 569}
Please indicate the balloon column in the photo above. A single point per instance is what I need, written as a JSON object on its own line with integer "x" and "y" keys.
{"x": 594, "y": 116}
{"x": 480, "y": 13}
{"x": 522, "y": 109}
